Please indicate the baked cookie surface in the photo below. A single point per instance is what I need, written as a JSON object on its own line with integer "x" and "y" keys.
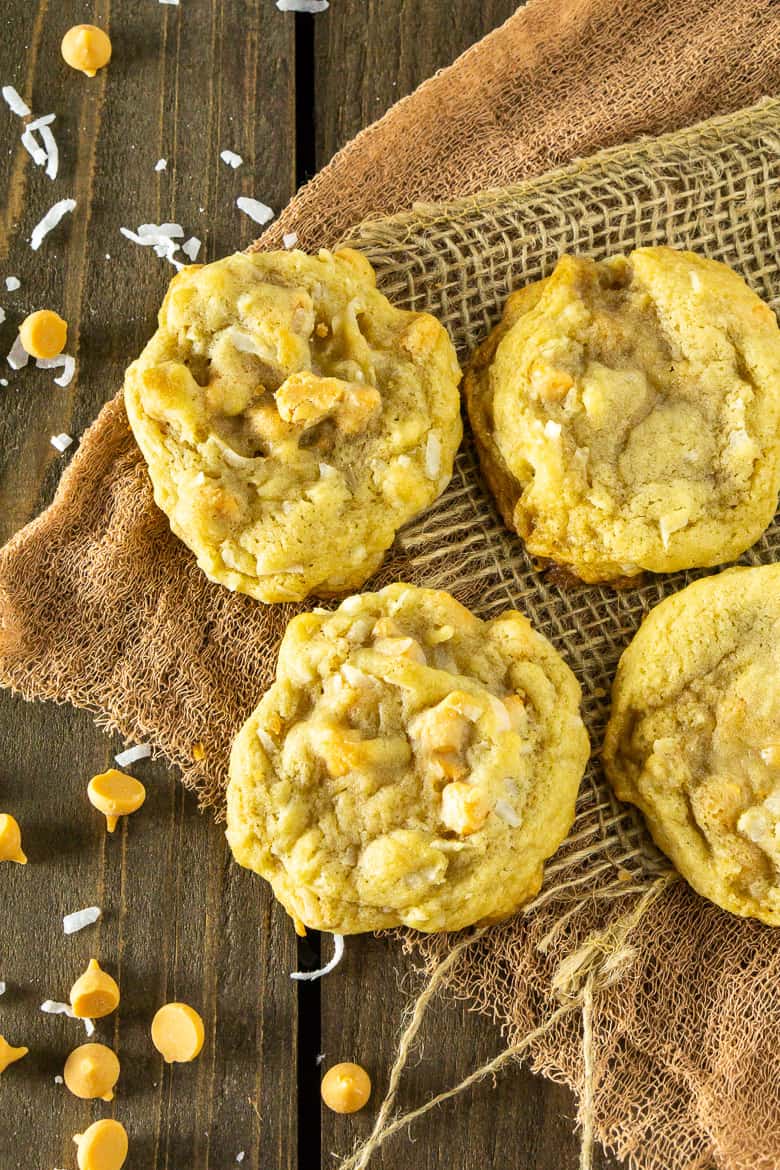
{"x": 410, "y": 765}
{"x": 292, "y": 419}
{"x": 694, "y": 736}
{"x": 627, "y": 414}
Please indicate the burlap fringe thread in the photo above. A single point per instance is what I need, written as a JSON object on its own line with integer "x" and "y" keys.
{"x": 695, "y": 188}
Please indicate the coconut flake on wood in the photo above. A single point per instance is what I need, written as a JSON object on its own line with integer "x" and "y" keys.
{"x": 290, "y": 240}
{"x": 130, "y": 755}
{"x": 14, "y": 102}
{"x": 50, "y": 221}
{"x": 61, "y": 441}
{"x": 231, "y": 158}
{"x": 63, "y": 361}
{"x": 46, "y": 153}
{"x": 312, "y": 6}
{"x": 12, "y": 283}
{"x": 259, "y": 212}
{"x": 80, "y": 918}
{"x": 191, "y": 248}
{"x": 338, "y": 954}
{"x": 18, "y": 357}
{"x": 161, "y": 164}
{"x": 53, "y": 1008}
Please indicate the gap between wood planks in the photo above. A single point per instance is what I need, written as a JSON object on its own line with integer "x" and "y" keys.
{"x": 309, "y": 950}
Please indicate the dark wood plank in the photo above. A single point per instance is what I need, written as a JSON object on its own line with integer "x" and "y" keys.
{"x": 380, "y": 50}
{"x": 180, "y": 921}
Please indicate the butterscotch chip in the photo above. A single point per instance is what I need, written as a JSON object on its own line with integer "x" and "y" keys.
{"x": 392, "y": 776}
{"x": 626, "y": 414}
{"x": 693, "y": 735}
{"x": 178, "y": 1032}
{"x": 292, "y": 419}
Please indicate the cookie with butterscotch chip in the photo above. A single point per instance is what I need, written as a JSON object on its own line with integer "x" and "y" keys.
{"x": 292, "y": 419}
{"x": 627, "y": 414}
{"x": 411, "y": 764}
{"x": 694, "y": 736}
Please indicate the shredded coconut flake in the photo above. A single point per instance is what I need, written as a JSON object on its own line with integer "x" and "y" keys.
{"x": 290, "y": 239}
{"x": 432, "y": 455}
{"x": 14, "y": 102}
{"x": 259, "y": 212}
{"x": 2, "y": 987}
{"x": 3, "y": 381}
{"x": 80, "y": 918}
{"x": 58, "y": 1080}
{"x": 231, "y": 158}
{"x": 338, "y": 954}
{"x": 175, "y": 3}
{"x": 33, "y": 148}
{"x": 53, "y": 1008}
{"x": 61, "y": 441}
{"x": 240, "y": 1156}
{"x": 18, "y": 357}
{"x": 62, "y": 361}
{"x": 89, "y": 1027}
{"x": 319, "y": 1058}
{"x": 12, "y": 283}
{"x": 313, "y": 6}
{"x": 265, "y": 739}
{"x": 50, "y": 221}
{"x": 504, "y": 810}
{"x": 161, "y": 164}
{"x": 191, "y": 248}
{"x": 2, "y": 315}
{"x": 46, "y": 155}
{"x": 159, "y": 236}
{"x": 141, "y": 751}
{"x": 152, "y": 231}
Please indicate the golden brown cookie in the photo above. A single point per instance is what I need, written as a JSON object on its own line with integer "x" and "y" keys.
{"x": 694, "y": 736}
{"x": 411, "y": 764}
{"x": 627, "y": 414}
{"x": 292, "y": 419}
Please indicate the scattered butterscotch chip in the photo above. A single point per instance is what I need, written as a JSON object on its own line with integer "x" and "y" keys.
{"x": 11, "y": 840}
{"x": 116, "y": 795}
{"x": 94, "y": 994}
{"x": 345, "y": 1088}
{"x": 177, "y": 1032}
{"x": 9, "y": 1054}
{"x": 91, "y": 1071}
{"x": 103, "y": 1146}
{"x": 43, "y": 334}
{"x": 87, "y": 48}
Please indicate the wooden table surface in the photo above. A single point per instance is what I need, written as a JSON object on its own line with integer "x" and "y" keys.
{"x": 180, "y": 921}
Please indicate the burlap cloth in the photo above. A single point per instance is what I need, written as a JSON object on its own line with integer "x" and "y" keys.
{"x": 663, "y": 1012}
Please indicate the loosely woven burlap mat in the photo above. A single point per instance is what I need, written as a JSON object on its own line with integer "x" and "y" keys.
{"x": 665, "y": 1012}
{"x": 681, "y": 1001}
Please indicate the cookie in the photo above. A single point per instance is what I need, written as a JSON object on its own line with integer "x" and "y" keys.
{"x": 627, "y": 414}
{"x": 292, "y": 419}
{"x": 694, "y": 736}
{"x": 411, "y": 764}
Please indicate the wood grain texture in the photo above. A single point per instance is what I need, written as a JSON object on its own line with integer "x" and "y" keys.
{"x": 180, "y": 921}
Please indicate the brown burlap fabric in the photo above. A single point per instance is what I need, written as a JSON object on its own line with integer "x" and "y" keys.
{"x": 100, "y": 605}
